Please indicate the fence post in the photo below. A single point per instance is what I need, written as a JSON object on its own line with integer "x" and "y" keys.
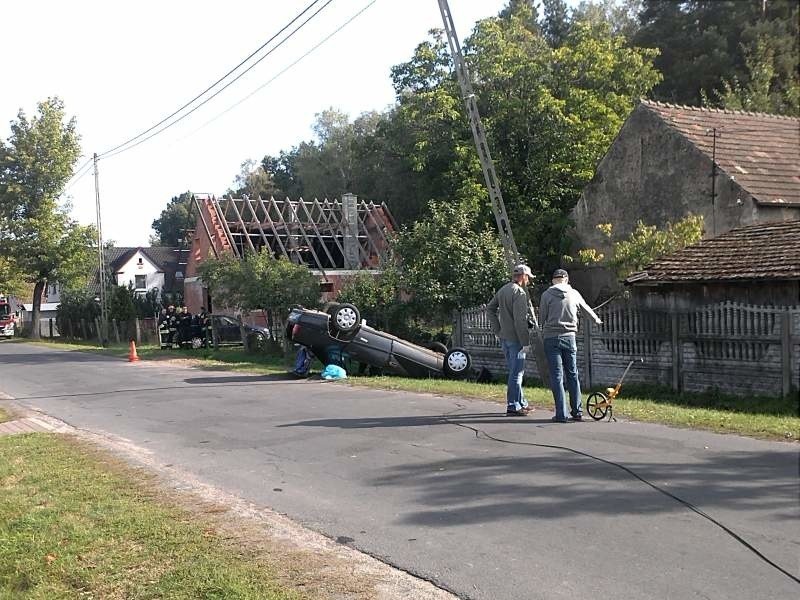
{"x": 83, "y": 328}
{"x": 115, "y": 325}
{"x": 215, "y": 332}
{"x": 69, "y": 329}
{"x": 587, "y": 352}
{"x": 97, "y": 330}
{"x": 138, "y": 330}
{"x": 676, "y": 351}
{"x": 458, "y": 329}
{"x": 786, "y": 353}
{"x": 50, "y": 327}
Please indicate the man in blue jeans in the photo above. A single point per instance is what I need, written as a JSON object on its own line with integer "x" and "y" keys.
{"x": 508, "y": 316}
{"x": 558, "y": 315}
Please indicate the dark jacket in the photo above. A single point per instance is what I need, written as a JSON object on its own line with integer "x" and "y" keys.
{"x": 508, "y": 314}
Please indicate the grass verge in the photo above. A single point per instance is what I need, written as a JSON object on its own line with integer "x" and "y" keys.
{"x": 769, "y": 418}
{"x": 227, "y": 358}
{"x": 74, "y": 523}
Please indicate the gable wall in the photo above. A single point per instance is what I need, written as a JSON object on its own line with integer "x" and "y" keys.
{"x": 127, "y": 272}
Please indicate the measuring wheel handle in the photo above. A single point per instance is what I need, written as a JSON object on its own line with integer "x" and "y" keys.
{"x": 597, "y": 405}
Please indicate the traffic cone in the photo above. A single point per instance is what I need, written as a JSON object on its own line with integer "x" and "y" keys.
{"x": 132, "y": 356}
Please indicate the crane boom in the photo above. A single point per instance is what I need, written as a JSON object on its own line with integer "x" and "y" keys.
{"x": 478, "y": 133}
{"x": 495, "y": 194}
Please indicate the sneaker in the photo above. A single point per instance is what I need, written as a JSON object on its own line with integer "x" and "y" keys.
{"x": 557, "y": 420}
{"x": 577, "y": 417}
{"x": 525, "y": 410}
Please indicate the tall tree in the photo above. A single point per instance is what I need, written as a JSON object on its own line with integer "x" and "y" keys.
{"x": 37, "y": 234}
{"x": 170, "y": 227}
{"x": 706, "y": 43}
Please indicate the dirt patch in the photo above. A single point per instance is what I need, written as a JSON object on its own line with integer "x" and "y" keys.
{"x": 302, "y": 559}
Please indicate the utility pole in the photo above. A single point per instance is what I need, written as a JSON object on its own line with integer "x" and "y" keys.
{"x": 102, "y": 263}
{"x": 489, "y": 174}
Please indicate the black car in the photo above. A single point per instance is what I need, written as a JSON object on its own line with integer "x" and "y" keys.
{"x": 196, "y": 335}
{"x": 339, "y": 337}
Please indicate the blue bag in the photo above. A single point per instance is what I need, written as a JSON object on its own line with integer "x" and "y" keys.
{"x": 333, "y": 372}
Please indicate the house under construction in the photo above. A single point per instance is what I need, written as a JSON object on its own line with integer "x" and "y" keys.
{"x": 333, "y": 238}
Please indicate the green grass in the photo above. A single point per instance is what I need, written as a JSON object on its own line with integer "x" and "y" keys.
{"x": 230, "y": 358}
{"x": 770, "y": 418}
{"x": 76, "y": 524}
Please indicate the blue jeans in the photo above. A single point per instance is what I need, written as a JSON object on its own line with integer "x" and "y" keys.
{"x": 562, "y": 358}
{"x": 515, "y": 359}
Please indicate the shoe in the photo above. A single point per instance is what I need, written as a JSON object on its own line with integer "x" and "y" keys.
{"x": 557, "y": 420}
{"x": 524, "y": 411}
{"x": 577, "y": 417}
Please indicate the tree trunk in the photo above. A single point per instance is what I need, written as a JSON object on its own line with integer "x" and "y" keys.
{"x": 37, "y": 306}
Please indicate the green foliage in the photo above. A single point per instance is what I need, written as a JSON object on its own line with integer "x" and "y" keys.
{"x": 260, "y": 281}
{"x": 120, "y": 303}
{"x": 37, "y": 237}
{"x": 709, "y": 49}
{"x": 449, "y": 261}
{"x": 170, "y": 227}
{"x": 76, "y": 304}
{"x": 648, "y": 243}
{"x": 377, "y": 297}
{"x": 254, "y": 181}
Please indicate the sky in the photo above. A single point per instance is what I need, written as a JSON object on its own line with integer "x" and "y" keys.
{"x": 122, "y": 67}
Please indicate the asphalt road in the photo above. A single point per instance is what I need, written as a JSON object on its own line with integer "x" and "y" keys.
{"x": 387, "y": 473}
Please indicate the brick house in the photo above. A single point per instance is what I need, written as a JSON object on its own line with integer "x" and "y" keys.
{"x": 734, "y": 168}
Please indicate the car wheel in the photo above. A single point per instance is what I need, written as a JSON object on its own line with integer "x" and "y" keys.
{"x": 197, "y": 343}
{"x": 457, "y": 363}
{"x": 438, "y": 347}
{"x": 345, "y": 318}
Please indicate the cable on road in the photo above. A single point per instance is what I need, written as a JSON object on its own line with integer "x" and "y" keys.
{"x": 480, "y": 434}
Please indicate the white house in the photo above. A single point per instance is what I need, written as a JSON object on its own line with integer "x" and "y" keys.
{"x": 145, "y": 268}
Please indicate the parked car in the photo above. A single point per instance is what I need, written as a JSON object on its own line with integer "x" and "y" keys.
{"x": 197, "y": 336}
{"x": 338, "y": 336}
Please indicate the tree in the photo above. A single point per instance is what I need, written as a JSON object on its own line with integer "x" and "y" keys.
{"x": 254, "y": 181}
{"x": 449, "y": 261}
{"x": 647, "y": 243}
{"x": 705, "y": 43}
{"x": 36, "y": 233}
{"x": 170, "y": 227}
{"x": 259, "y": 281}
{"x": 375, "y": 295}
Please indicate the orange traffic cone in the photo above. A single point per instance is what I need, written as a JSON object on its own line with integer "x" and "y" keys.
{"x": 132, "y": 356}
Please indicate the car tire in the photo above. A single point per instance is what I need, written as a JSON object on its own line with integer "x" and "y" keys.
{"x": 457, "y": 363}
{"x": 437, "y": 347}
{"x": 345, "y": 318}
{"x": 257, "y": 342}
{"x": 197, "y": 342}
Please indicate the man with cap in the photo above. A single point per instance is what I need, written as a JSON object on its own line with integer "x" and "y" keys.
{"x": 508, "y": 316}
{"x": 558, "y": 315}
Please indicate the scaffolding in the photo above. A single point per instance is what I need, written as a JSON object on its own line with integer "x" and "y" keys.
{"x": 346, "y": 234}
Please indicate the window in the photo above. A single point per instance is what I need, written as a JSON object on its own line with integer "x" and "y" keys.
{"x": 141, "y": 282}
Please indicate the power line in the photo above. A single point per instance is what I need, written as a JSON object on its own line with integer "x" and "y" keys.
{"x": 282, "y": 71}
{"x": 79, "y": 177}
{"x": 121, "y": 147}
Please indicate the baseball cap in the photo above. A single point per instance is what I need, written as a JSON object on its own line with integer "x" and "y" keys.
{"x": 558, "y": 273}
{"x": 523, "y": 270}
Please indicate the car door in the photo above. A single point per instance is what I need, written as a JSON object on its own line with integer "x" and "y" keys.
{"x": 228, "y": 329}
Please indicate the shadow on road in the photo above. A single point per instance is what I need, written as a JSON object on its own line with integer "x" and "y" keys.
{"x": 240, "y": 379}
{"x": 550, "y": 481}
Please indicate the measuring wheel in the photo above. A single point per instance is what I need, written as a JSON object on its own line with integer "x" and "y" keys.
{"x": 597, "y": 405}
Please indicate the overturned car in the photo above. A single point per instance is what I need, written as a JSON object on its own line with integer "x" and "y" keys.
{"x": 339, "y": 337}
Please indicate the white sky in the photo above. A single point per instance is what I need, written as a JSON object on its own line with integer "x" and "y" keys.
{"x": 121, "y": 69}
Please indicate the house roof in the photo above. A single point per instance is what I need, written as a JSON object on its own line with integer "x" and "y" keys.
{"x": 769, "y": 251}
{"x": 759, "y": 151}
{"x": 166, "y": 258}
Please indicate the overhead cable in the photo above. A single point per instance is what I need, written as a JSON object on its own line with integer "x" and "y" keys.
{"x": 128, "y": 144}
{"x": 284, "y": 70}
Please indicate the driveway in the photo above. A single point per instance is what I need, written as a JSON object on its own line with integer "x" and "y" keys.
{"x": 541, "y": 511}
